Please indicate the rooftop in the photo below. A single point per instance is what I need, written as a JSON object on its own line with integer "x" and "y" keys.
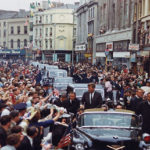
{"x": 13, "y": 14}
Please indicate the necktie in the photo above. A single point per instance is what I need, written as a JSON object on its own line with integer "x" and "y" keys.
{"x": 91, "y": 98}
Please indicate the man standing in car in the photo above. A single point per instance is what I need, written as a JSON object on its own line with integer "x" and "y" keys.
{"x": 91, "y": 98}
{"x": 144, "y": 110}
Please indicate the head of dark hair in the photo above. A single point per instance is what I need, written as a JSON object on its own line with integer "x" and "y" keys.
{"x": 13, "y": 139}
{"x": 14, "y": 114}
{"x": 31, "y": 131}
{"x": 5, "y": 119}
{"x": 16, "y": 129}
{"x": 91, "y": 85}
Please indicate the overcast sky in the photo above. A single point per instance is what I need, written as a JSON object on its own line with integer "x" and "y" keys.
{"x": 24, "y": 4}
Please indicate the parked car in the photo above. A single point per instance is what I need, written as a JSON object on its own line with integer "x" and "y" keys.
{"x": 81, "y": 88}
{"x": 106, "y": 130}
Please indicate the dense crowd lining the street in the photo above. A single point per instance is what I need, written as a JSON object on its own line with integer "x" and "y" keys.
{"x": 28, "y": 113}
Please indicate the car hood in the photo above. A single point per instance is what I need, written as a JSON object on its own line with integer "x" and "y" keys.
{"x": 109, "y": 134}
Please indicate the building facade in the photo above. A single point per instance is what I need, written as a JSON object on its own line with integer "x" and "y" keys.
{"x": 53, "y": 33}
{"x": 142, "y": 34}
{"x": 14, "y": 34}
{"x": 114, "y": 31}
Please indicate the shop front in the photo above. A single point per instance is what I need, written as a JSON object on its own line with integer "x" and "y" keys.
{"x": 12, "y": 54}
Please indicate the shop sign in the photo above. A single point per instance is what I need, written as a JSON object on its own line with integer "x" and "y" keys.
{"x": 80, "y": 47}
{"x": 87, "y": 55}
{"x": 109, "y": 46}
{"x": 134, "y": 47}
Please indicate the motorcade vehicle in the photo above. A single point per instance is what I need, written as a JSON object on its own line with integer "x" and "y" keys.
{"x": 53, "y": 73}
{"x": 61, "y": 83}
{"x": 106, "y": 130}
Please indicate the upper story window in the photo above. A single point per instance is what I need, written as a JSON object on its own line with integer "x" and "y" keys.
{"x": 46, "y": 32}
{"x": 40, "y": 21}
{"x": 12, "y": 30}
{"x": 4, "y": 33}
{"x": 91, "y": 13}
{"x": 4, "y": 24}
{"x": 36, "y": 19}
{"x": 51, "y": 18}
{"x": 46, "y": 44}
{"x": 51, "y": 31}
{"x": 12, "y": 43}
{"x": 51, "y": 44}
{"x": 25, "y": 30}
{"x": 18, "y": 43}
{"x": 25, "y": 42}
{"x": 18, "y": 29}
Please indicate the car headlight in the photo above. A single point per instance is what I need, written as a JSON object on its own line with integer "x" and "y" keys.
{"x": 79, "y": 146}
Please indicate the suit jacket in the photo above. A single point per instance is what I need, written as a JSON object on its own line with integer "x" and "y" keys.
{"x": 72, "y": 107}
{"x": 96, "y": 100}
{"x": 25, "y": 144}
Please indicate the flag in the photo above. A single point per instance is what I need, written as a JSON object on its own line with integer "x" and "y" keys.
{"x": 66, "y": 139}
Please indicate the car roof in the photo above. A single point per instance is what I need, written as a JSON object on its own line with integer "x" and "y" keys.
{"x": 96, "y": 110}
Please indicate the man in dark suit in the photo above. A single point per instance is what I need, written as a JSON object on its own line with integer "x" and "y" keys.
{"x": 136, "y": 100}
{"x": 144, "y": 109}
{"x": 91, "y": 98}
{"x": 72, "y": 104}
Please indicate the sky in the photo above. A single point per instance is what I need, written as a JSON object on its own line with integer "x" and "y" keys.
{"x": 24, "y": 4}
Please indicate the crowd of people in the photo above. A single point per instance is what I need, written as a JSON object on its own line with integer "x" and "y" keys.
{"x": 28, "y": 110}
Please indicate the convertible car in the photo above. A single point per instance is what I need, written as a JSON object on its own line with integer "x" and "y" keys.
{"x": 107, "y": 130}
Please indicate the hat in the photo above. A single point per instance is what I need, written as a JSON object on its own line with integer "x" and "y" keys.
{"x": 20, "y": 106}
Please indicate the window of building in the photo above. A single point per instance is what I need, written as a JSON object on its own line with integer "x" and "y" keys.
{"x": 74, "y": 31}
{"x": 4, "y": 44}
{"x": 18, "y": 29}
{"x": 51, "y": 44}
{"x": 12, "y": 30}
{"x": 51, "y": 18}
{"x": 40, "y": 32}
{"x": 25, "y": 30}
{"x": 46, "y": 44}
{"x": 51, "y": 31}
{"x": 31, "y": 26}
{"x": 40, "y": 43}
{"x": 25, "y": 43}
{"x": 46, "y": 32}
{"x": 18, "y": 43}
{"x": 4, "y": 24}
{"x": 36, "y": 19}
{"x": 31, "y": 38}
{"x": 12, "y": 43}
{"x": 104, "y": 13}
{"x": 4, "y": 33}
{"x": 35, "y": 42}
{"x": 40, "y": 21}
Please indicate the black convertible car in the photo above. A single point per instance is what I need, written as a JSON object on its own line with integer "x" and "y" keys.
{"x": 106, "y": 130}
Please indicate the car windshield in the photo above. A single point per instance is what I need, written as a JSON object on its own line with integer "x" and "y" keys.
{"x": 108, "y": 119}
